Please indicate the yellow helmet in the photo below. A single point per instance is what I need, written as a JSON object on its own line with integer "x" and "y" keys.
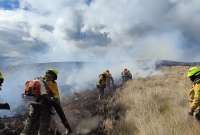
{"x": 193, "y": 71}
{"x": 53, "y": 72}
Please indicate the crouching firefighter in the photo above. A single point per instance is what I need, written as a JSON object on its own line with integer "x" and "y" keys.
{"x": 104, "y": 82}
{"x": 126, "y": 75}
{"x": 44, "y": 96}
{"x": 194, "y": 95}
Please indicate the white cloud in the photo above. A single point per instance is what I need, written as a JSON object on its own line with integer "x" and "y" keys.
{"x": 72, "y": 30}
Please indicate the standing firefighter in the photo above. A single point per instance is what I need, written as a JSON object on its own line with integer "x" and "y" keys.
{"x": 3, "y": 105}
{"x": 126, "y": 75}
{"x": 45, "y": 96}
{"x": 105, "y": 80}
{"x": 194, "y": 95}
{"x": 1, "y": 80}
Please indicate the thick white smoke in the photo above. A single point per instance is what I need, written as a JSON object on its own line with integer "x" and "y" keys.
{"x": 75, "y": 30}
{"x": 114, "y": 34}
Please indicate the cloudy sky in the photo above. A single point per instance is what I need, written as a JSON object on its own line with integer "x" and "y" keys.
{"x": 34, "y": 31}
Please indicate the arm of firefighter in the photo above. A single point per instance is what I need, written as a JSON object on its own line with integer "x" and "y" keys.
{"x": 196, "y": 100}
{"x": 112, "y": 81}
{"x": 99, "y": 82}
{"x": 194, "y": 105}
{"x": 191, "y": 95}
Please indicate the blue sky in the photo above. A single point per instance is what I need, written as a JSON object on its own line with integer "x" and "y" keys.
{"x": 14, "y": 4}
{"x": 9, "y": 4}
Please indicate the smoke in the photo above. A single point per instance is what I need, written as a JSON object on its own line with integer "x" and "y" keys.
{"x": 109, "y": 34}
{"x": 16, "y": 76}
{"x": 89, "y": 30}
{"x": 73, "y": 77}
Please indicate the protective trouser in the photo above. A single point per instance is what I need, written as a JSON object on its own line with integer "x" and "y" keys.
{"x": 38, "y": 121}
{"x": 101, "y": 92}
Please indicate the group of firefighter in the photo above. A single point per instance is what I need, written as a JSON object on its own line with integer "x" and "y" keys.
{"x": 106, "y": 81}
{"x": 41, "y": 107}
{"x": 44, "y": 100}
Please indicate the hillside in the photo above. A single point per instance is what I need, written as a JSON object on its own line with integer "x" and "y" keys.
{"x": 155, "y": 105}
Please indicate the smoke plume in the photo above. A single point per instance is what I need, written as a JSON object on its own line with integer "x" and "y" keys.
{"x": 108, "y": 34}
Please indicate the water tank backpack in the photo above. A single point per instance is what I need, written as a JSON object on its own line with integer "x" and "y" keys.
{"x": 32, "y": 88}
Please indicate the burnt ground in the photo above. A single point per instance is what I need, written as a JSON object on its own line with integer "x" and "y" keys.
{"x": 84, "y": 111}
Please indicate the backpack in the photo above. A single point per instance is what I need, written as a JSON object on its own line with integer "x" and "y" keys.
{"x": 32, "y": 88}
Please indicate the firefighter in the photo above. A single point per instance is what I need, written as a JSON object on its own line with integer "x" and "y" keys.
{"x": 1, "y": 80}
{"x": 194, "y": 95}
{"x": 109, "y": 80}
{"x": 39, "y": 112}
{"x": 105, "y": 80}
{"x": 126, "y": 75}
{"x": 5, "y": 106}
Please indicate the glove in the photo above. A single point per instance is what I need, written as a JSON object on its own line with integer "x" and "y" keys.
{"x": 55, "y": 99}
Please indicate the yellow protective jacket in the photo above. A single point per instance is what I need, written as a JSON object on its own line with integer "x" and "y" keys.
{"x": 53, "y": 89}
{"x": 194, "y": 96}
{"x": 1, "y": 76}
{"x": 102, "y": 80}
{"x": 191, "y": 95}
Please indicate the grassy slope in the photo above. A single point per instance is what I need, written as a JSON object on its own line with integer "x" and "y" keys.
{"x": 155, "y": 105}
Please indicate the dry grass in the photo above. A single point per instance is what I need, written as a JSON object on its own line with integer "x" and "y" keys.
{"x": 156, "y": 105}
